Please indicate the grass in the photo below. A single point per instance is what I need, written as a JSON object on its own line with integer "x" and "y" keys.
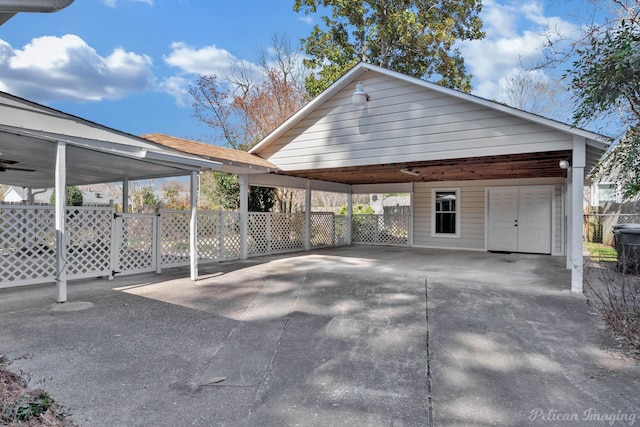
{"x": 601, "y": 252}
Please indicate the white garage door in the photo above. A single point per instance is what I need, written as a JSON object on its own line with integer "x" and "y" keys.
{"x": 519, "y": 219}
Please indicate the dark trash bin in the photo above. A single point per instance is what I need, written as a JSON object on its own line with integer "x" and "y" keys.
{"x": 626, "y": 239}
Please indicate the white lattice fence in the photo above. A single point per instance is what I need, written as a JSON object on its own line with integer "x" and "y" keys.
{"x": 28, "y": 243}
{"x": 218, "y": 236}
{"x": 174, "y": 238}
{"x": 328, "y": 229}
{"x": 340, "y": 230}
{"x": 271, "y": 233}
{"x": 380, "y": 229}
{"x": 137, "y": 243}
{"x": 89, "y": 242}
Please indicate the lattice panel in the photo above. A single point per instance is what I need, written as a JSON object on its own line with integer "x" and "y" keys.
{"x": 380, "y": 229}
{"x": 340, "y": 228}
{"x": 136, "y": 243}
{"x": 364, "y": 229}
{"x": 174, "y": 237}
{"x": 210, "y": 236}
{"x": 88, "y": 242}
{"x": 322, "y": 229}
{"x": 230, "y": 235}
{"x": 218, "y": 235}
{"x": 258, "y": 234}
{"x": 394, "y": 230}
{"x": 270, "y": 233}
{"x": 286, "y": 232}
{"x": 28, "y": 245}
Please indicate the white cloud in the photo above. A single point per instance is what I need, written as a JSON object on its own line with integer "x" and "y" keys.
{"x": 113, "y": 3}
{"x": 206, "y": 60}
{"x": 516, "y": 33}
{"x": 178, "y": 87}
{"x": 306, "y": 19}
{"x": 66, "y": 68}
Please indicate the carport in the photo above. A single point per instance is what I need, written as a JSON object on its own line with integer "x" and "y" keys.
{"x": 42, "y": 147}
{"x": 482, "y": 176}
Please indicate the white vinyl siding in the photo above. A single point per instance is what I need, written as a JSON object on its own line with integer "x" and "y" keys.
{"x": 425, "y": 124}
{"x": 472, "y": 212}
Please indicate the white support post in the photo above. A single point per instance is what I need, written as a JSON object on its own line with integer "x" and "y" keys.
{"x": 349, "y": 217}
{"x": 307, "y": 217}
{"x": 577, "y": 212}
{"x": 410, "y": 225}
{"x": 193, "y": 227}
{"x": 244, "y": 214}
{"x": 61, "y": 238}
{"x": 125, "y": 195}
{"x": 569, "y": 215}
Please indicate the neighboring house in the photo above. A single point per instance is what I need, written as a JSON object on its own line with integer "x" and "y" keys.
{"x": 483, "y": 176}
{"x": 90, "y": 197}
{"x": 606, "y": 207}
{"x": 15, "y": 194}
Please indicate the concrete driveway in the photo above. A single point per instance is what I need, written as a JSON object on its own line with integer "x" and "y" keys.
{"x": 360, "y": 336}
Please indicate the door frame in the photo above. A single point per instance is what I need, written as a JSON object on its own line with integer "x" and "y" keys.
{"x": 550, "y": 188}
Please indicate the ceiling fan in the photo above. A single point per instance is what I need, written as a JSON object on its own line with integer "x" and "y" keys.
{"x": 6, "y": 164}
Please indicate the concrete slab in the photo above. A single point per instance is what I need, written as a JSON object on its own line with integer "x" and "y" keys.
{"x": 332, "y": 337}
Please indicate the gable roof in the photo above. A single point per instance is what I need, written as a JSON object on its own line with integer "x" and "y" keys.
{"x": 595, "y": 140}
{"x": 411, "y": 124}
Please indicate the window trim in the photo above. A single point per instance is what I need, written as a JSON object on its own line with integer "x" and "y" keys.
{"x": 614, "y": 186}
{"x": 433, "y": 213}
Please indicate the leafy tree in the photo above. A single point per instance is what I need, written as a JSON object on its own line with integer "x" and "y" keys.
{"x": 414, "y": 37}
{"x": 358, "y": 209}
{"x": 224, "y": 189}
{"x": 74, "y": 197}
{"x": 143, "y": 198}
{"x": 606, "y": 85}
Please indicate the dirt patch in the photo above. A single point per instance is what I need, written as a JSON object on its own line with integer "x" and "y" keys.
{"x": 21, "y": 405}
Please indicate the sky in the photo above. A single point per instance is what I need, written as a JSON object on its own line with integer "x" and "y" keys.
{"x": 128, "y": 64}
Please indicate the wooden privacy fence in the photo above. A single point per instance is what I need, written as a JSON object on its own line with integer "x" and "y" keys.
{"x": 101, "y": 242}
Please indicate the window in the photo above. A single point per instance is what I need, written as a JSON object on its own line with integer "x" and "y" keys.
{"x": 445, "y": 219}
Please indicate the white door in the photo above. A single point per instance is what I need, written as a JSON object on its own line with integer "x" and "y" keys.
{"x": 503, "y": 220}
{"x": 520, "y": 219}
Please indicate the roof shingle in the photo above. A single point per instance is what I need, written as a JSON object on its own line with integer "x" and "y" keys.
{"x": 212, "y": 152}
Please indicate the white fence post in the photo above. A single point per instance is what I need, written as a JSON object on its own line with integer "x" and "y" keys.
{"x": 114, "y": 242}
{"x": 155, "y": 242}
